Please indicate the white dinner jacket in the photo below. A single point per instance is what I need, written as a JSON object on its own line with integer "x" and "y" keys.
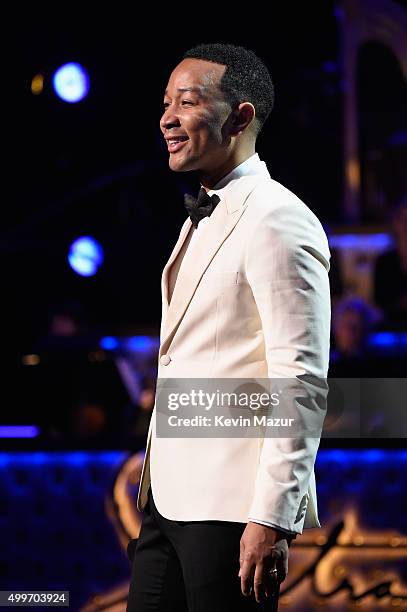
{"x": 252, "y": 301}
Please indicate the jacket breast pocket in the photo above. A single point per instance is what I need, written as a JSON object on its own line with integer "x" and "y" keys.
{"x": 236, "y": 317}
{"x": 226, "y": 278}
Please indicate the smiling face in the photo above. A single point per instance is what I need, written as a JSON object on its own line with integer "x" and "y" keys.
{"x": 196, "y": 117}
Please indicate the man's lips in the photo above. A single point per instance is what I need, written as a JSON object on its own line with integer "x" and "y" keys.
{"x": 176, "y": 143}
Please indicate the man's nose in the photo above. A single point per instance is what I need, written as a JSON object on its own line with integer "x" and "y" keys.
{"x": 169, "y": 120}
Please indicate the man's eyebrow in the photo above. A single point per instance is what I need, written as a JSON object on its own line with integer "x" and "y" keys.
{"x": 197, "y": 90}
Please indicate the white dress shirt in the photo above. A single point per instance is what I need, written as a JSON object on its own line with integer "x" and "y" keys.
{"x": 252, "y": 165}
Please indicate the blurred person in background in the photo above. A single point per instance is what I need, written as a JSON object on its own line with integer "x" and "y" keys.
{"x": 352, "y": 321}
{"x": 89, "y": 424}
{"x": 76, "y": 384}
{"x": 67, "y": 325}
{"x": 390, "y": 276}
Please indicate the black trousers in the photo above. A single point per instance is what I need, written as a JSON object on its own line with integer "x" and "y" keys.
{"x": 187, "y": 567}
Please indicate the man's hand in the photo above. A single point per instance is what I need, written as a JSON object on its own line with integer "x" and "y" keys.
{"x": 262, "y": 549}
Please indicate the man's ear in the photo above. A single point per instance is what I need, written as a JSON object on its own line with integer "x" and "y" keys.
{"x": 243, "y": 116}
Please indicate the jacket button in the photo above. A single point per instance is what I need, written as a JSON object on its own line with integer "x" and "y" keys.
{"x": 165, "y": 359}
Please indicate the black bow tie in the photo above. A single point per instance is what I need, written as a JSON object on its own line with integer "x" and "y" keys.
{"x": 201, "y": 207}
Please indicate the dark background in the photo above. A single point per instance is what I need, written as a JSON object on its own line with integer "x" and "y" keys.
{"x": 101, "y": 167}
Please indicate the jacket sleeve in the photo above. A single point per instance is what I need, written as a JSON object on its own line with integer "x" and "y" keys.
{"x": 266, "y": 524}
{"x": 287, "y": 263}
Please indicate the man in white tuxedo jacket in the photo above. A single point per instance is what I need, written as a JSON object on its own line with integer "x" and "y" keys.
{"x": 245, "y": 295}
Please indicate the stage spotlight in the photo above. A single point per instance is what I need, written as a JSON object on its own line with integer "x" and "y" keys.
{"x": 71, "y": 82}
{"x": 85, "y": 256}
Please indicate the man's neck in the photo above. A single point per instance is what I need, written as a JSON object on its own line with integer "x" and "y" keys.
{"x": 210, "y": 179}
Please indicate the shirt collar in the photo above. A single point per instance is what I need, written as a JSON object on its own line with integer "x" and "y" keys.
{"x": 251, "y": 166}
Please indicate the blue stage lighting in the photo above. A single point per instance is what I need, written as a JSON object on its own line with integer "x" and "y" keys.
{"x": 19, "y": 431}
{"x": 383, "y": 339}
{"x": 142, "y": 344}
{"x": 109, "y": 343}
{"x": 85, "y": 256}
{"x": 71, "y": 82}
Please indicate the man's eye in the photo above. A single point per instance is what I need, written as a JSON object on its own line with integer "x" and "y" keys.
{"x": 187, "y": 102}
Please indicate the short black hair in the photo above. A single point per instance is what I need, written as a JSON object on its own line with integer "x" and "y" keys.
{"x": 246, "y": 78}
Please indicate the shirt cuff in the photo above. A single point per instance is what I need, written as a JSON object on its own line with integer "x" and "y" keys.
{"x": 273, "y": 525}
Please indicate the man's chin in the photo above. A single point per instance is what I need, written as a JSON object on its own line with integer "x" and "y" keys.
{"x": 179, "y": 165}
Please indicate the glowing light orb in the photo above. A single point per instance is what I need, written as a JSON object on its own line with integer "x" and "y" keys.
{"x": 85, "y": 256}
{"x": 71, "y": 82}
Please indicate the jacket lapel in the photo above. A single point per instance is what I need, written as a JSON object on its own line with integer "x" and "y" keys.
{"x": 165, "y": 274}
{"x": 221, "y": 223}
